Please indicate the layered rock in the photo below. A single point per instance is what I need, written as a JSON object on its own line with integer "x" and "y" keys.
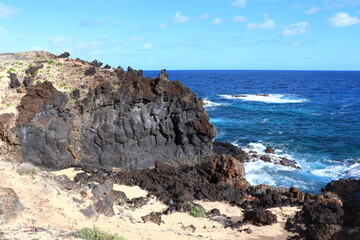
{"x": 125, "y": 120}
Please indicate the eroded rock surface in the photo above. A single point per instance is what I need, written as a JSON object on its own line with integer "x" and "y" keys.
{"x": 128, "y": 122}
{"x": 334, "y": 214}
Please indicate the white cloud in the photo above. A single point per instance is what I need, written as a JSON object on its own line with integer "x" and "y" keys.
{"x": 217, "y": 21}
{"x": 163, "y": 25}
{"x": 2, "y": 31}
{"x": 180, "y": 19}
{"x": 312, "y": 10}
{"x": 268, "y": 24}
{"x": 204, "y": 16}
{"x": 239, "y": 18}
{"x": 58, "y": 42}
{"x": 147, "y": 46}
{"x": 342, "y": 19}
{"x": 7, "y": 11}
{"x": 239, "y": 3}
{"x": 296, "y": 29}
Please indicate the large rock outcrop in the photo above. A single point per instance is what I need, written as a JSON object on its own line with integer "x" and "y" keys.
{"x": 128, "y": 122}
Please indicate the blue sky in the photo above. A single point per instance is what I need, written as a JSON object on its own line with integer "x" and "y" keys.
{"x": 189, "y": 34}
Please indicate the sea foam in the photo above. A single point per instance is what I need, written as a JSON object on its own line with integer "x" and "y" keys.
{"x": 267, "y": 98}
{"x": 210, "y": 104}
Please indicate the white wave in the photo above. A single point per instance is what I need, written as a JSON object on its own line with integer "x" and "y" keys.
{"x": 353, "y": 172}
{"x": 210, "y": 104}
{"x": 256, "y": 150}
{"x": 267, "y": 98}
{"x": 336, "y": 171}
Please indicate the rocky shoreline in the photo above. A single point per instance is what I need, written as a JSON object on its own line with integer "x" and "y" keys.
{"x": 122, "y": 128}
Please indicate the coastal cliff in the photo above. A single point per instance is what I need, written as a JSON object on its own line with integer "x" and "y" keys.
{"x": 108, "y": 117}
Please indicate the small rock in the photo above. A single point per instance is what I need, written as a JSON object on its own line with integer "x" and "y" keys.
{"x": 154, "y": 217}
{"x": 81, "y": 177}
{"x": 170, "y": 210}
{"x": 64, "y": 55}
{"x": 215, "y": 212}
{"x": 90, "y": 71}
{"x": 265, "y": 158}
{"x": 270, "y": 150}
{"x": 14, "y": 81}
{"x": 260, "y": 217}
{"x": 96, "y": 63}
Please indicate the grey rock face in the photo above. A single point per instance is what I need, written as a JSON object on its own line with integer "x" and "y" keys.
{"x": 130, "y": 123}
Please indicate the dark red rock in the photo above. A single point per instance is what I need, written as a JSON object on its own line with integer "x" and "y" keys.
{"x": 14, "y": 81}
{"x": 224, "y": 169}
{"x": 330, "y": 215}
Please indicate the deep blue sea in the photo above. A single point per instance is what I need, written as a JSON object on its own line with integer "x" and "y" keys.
{"x": 312, "y": 117}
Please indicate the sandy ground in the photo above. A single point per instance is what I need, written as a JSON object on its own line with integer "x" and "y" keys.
{"x": 52, "y": 212}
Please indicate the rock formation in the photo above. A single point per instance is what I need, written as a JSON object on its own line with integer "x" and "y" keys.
{"x": 121, "y": 119}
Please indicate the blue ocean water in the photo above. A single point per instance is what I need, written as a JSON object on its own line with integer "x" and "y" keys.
{"x": 312, "y": 117}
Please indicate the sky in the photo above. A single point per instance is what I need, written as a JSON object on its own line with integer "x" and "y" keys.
{"x": 189, "y": 34}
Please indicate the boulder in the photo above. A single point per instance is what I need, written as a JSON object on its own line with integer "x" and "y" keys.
{"x": 64, "y": 55}
{"x": 260, "y": 217}
{"x": 9, "y": 205}
{"x": 270, "y": 150}
{"x": 153, "y": 217}
{"x": 224, "y": 169}
{"x": 14, "y": 81}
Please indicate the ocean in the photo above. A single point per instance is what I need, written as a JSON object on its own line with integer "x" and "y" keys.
{"x": 312, "y": 117}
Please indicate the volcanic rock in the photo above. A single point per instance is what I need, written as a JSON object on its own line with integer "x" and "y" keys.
{"x": 128, "y": 122}
{"x": 260, "y": 217}
{"x": 330, "y": 215}
{"x": 9, "y": 205}
{"x": 154, "y": 217}
{"x": 14, "y": 81}
{"x": 270, "y": 150}
{"x": 224, "y": 169}
{"x": 228, "y": 148}
{"x": 64, "y": 55}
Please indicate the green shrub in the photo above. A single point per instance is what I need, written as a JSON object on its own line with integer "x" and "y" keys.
{"x": 59, "y": 64}
{"x": 11, "y": 70}
{"x": 196, "y": 211}
{"x": 96, "y": 234}
{"x": 29, "y": 171}
{"x": 51, "y": 62}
